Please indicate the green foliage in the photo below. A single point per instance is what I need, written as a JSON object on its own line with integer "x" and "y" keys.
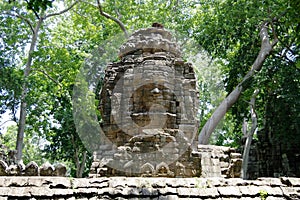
{"x": 263, "y": 194}
{"x": 11, "y": 53}
{"x": 8, "y": 138}
{"x": 230, "y": 31}
{"x": 282, "y": 104}
{"x": 32, "y": 145}
{"x": 10, "y": 90}
{"x": 36, "y": 5}
{"x": 227, "y": 31}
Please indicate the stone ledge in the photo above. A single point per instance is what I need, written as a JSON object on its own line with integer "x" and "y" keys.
{"x": 147, "y": 188}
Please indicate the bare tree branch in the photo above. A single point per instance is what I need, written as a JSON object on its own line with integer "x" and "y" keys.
{"x": 275, "y": 40}
{"x": 10, "y": 120}
{"x": 108, "y": 16}
{"x": 250, "y": 134}
{"x": 48, "y": 76}
{"x": 23, "y": 111}
{"x": 265, "y": 48}
{"x": 76, "y": 155}
{"x": 81, "y": 15}
{"x": 35, "y": 13}
{"x": 63, "y": 11}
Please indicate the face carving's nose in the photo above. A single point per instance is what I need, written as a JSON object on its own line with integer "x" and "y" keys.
{"x": 155, "y": 91}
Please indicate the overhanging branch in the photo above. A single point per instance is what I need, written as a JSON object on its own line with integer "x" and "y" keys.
{"x": 108, "y": 16}
{"x": 33, "y": 10}
{"x": 63, "y": 11}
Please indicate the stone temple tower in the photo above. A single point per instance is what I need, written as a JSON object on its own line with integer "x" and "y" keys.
{"x": 148, "y": 107}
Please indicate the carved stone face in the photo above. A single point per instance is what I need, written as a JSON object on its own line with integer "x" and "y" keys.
{"x": 148, "y": 105}
{"x": 153, "y": 106}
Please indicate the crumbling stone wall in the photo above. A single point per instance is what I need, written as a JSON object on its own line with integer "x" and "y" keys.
{"x": 137, "y": 188}
{"x": 270, "y": 157}
{"x": 220, "y": 161}
{"x": 32, "y": 169}
{"x": 215, "y": 161}
{"x": 9, "y": 166}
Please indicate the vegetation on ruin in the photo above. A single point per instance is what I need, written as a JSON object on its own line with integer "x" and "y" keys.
{"x": 44, "y": 43}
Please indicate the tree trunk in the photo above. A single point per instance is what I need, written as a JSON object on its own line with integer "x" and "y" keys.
{"x": 218, "y": 114}
{"x": 250, "y": 134}
{"x": 82, "y": 165}
{"x": 23, "y": 112}
{"x": 22, "y": 120}
{"x": 265, "y": 50}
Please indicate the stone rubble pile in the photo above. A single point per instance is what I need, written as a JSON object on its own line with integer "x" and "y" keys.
{"x": 137, "y": 188}
{"x": 213, "y": 161}
{"x": 220, "y": 161}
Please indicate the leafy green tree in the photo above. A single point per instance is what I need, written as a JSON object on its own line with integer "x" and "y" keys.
{"x": 32, "y": 143}
{"x": 230, "y": 31}
{"x": 48, "y": 85}
{"x": 34, "y": 25}
{"x": 250, "y": 45}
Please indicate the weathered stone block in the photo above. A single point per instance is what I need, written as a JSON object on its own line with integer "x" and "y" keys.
{"x": 231, "y": 191}
{"x": 13, "y": 170}
{"x": 31, "y": 169}
{"x": 168, "y": 197}
{"x": 148, "y": 93}
{"x": 291, "y": 192}
{"x": 291, "y": 181}
{"x": 40, "y": 191}
{"x": 46, "y": 169}
{"x": 272, "y": 191}
{"x": 249, "y": 190}
{"x": 271, "y": 181}
{"x": 85, "y": 191}
{"x": 198, "y": 192}
{"x": 275, "y": 198}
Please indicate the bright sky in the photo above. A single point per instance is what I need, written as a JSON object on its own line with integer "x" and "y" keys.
{"x": 5, "y": 122}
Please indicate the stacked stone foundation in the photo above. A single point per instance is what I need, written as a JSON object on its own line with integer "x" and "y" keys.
{"x": 138, "y": 188}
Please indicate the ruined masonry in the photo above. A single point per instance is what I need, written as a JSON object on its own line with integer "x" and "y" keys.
{"x": 148, "y": 106}
{"x": 137, "y": 188}
{"x": 9, "y": 166}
